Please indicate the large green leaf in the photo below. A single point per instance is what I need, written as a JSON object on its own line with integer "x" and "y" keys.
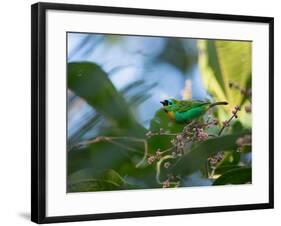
{"x": 222, "y": 62}
{"x": 90, "y": 82}
{"x": 100, "y": 157}
{"x": 235, "y": 176}
{"x": 103, "y": 155}
{"x": 86, "y": 180}
{"x": 195, "y": 158}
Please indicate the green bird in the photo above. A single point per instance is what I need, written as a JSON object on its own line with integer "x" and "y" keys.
{"x": 184, "y": 111}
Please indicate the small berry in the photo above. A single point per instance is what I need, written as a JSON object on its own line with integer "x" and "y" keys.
{"x": 215, "y": 121}
{"x": 247, "y": 139}
{"x": 167, "y": 165}
{"x": 243, "y": 91}
{"x": 237, "y": 108}
{"x": 158, "y": 151}
{"x": 151, "y": 159}
{"x": 248, "y": 108}
{"x": 148, "y": 134}
{"x": 202, "y": 135}
{"x": 166, "y": 184}
{"x": 240, "y": 141}
{"x": 226, "y": 123}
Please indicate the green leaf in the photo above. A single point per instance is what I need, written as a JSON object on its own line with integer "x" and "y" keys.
{"x": 235, "y": 176}
{"x": 90, "y": 173}
{"x": 237, "y": 127}
{"x": 195, "y": 158}
{"x": 90, "y": 82}
{"x": 226, "y": 167}
{"x": 102, "y": 156}
{"x": 84, "y": 180}
{"x": 222, "y": 62}
{"x": 91, "y": 185}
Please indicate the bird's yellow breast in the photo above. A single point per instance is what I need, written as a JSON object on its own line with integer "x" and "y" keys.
{"x": 171, "y": 115}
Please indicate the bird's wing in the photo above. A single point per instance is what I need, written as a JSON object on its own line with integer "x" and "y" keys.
{"x": 186, "y": 105}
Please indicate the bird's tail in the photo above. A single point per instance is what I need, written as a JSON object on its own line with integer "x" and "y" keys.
{"x": 218, "y": 103}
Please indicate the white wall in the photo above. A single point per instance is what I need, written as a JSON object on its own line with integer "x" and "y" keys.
{"x": 15, "y": 110}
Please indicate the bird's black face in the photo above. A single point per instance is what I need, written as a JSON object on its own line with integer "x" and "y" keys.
{"x": 164, "y": 102}
{"x": 167, "y": 105}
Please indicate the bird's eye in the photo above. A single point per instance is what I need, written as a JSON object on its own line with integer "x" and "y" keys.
{"x": 169, "y": 102}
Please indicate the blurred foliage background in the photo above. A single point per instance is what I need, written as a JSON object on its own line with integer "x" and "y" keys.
{"x": 115, "y": 85}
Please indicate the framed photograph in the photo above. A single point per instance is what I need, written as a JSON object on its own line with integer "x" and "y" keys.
{"x": 139, "y": 112}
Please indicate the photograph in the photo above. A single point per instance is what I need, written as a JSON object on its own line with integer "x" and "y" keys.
{"x": 157, "y": 112}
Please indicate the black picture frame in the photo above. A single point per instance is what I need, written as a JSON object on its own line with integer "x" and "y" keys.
{"x": 38, "y": 110}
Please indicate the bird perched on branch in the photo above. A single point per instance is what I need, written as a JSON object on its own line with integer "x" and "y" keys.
{"x": 184, "y": 111}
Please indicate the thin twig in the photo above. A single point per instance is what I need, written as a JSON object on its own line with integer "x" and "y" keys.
{"x": 226, "y": 124}
{"x": 167, "y": 150}
{"x": 234, "y": 115}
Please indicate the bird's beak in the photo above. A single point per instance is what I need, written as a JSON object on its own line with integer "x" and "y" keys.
{"x": 162, "y": 102}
